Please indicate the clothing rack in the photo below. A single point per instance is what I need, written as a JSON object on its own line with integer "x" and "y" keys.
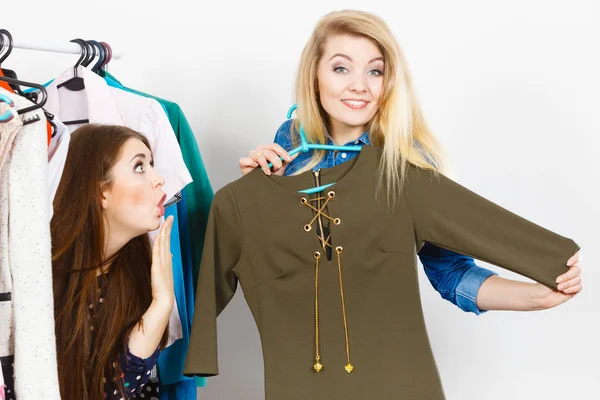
{"x": 65, "y": 48}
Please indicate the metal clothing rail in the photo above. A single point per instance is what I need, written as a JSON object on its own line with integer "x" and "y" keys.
{"x": 66, "y": 48}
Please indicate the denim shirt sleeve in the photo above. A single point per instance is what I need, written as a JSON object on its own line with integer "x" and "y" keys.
{"x": 283, "y": 137}
{"x": 456, "y": 277}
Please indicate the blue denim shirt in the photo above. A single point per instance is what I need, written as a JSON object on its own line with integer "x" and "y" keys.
{"x": 456, "y": 277}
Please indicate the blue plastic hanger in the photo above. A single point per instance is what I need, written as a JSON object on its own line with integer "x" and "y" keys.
{"x": 305, "y": 147}
{"x": 7, "y": 116}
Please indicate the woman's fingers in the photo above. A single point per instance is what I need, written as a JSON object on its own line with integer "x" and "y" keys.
{"x": 574, "y": 289}
{"x": 280, "y": 151}
{"x": 162, "y": 243}
{"x": 168, "y": 242}
{"x": 570, "y": 274}
{"x": 274, "y": 159}
{"x": 259, "y": 157}
{"x": 264, "y": 155}
{"x": 577, "y": 257}
{"x": 569, "y": 284}
{"x": 247, "y": 165}
{"x": 247, "y": 162}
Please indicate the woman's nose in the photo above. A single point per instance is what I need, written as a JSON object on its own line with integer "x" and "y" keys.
{"x": 159, "y": 181}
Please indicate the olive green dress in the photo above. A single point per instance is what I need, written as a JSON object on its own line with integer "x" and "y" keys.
{"x": 331, "y": 278}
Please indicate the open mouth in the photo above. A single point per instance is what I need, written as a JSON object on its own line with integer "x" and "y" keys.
{"x": 162, "y": 200}
{"x": 161, "y": 209}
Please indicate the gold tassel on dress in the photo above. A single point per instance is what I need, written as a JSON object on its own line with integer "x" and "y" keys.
{"x": 318, "y": 366}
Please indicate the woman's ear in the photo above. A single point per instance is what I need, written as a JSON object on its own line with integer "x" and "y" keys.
{"x": 105, "y": 199}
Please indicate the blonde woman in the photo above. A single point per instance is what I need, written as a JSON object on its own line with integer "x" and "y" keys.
{"x": 353, "y": 87}
{"x": 366, "y": 338}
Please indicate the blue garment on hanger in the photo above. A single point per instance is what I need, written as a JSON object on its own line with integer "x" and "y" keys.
{"x": 184, "y": 390}
{"x": 186, "y": 256}
{"x": 169, "y": 359}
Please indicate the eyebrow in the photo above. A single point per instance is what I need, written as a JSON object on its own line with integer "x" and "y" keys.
{"x": 141, "y": 155}
{"x": 350, "y": 58}
{"x": 340, "y": 55}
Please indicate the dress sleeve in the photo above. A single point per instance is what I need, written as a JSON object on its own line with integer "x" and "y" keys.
{"x": 453, "y": 217}
{"x": 217, "y": 282}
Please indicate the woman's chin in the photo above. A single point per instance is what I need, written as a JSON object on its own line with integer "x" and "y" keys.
{"x": 152, "y": 225}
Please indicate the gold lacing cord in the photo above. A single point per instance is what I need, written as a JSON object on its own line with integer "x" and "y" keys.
{"x": 318, "y": 211}
{"x": 318, "y": 366}
{"x": 338, "y": 250}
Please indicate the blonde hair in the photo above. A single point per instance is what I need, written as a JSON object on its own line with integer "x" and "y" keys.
{"x": 398, "y": 126}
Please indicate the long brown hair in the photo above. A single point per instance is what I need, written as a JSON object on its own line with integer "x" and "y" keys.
{"x": 91, "y": 333}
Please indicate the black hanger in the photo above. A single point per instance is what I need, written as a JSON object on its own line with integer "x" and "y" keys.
{"x": 101, "y": 52}
{"x": 76, "y": 83}
{"x": 7, "y": 72}
{"x": 31, "y": 96}
{"x": 91, "y": 54}
{"x": 34, "y": 107}
{"x": 50, "y": 119}
{"x": 4, "y": 32}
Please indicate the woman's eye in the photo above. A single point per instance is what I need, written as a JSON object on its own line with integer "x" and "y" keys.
{"x": 376, "y": 72}
{"x": 139, "y": 167}
{"x": 340, "y": 70}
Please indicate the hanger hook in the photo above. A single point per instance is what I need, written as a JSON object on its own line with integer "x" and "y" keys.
{"x": 101, "y": 53}
{"x": 84, "y": 53}
{"x": 91, "y": 53}
{"x": 4, "y": 32}
{"x": 94, "y": 52}
{"x": 303, "y": 141}
{"x": 108, "y": 54}
{"x": 1, "y": 43}
{"x": 291, "y": 111}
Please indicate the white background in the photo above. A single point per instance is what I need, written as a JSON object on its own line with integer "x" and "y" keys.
{"x": 511, "y": 88}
